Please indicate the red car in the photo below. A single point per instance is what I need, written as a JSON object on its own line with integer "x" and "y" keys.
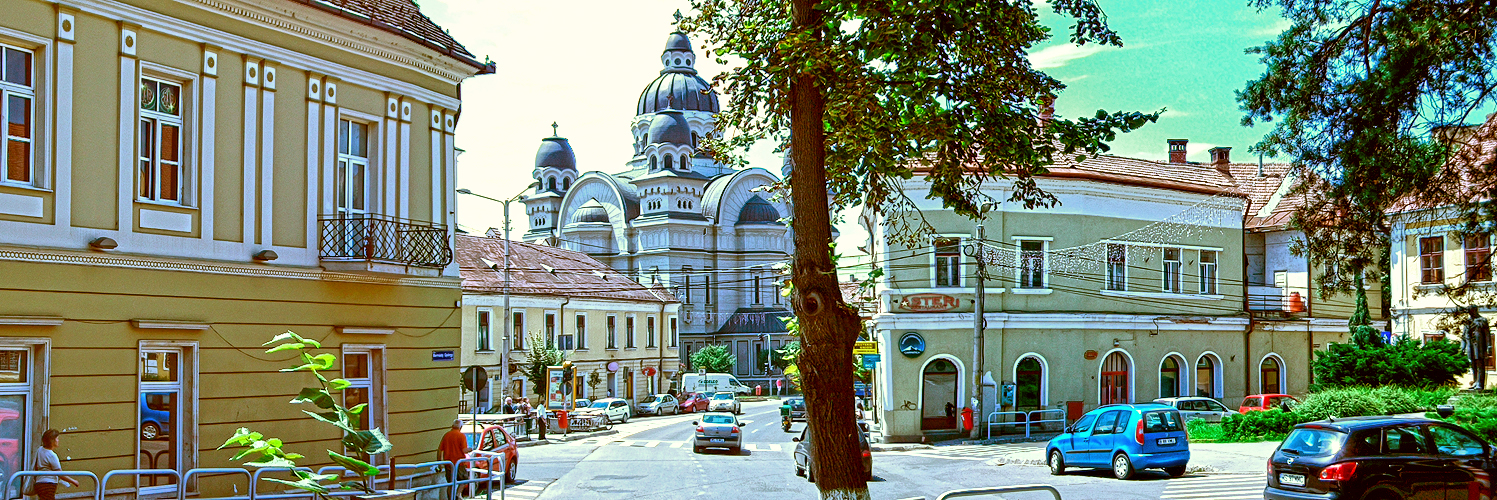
{"x": 495, "y": 439}
{"x": 1260, "y": 402}
{"x": 693, "y": 402}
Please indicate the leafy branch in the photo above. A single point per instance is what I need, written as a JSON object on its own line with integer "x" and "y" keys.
{"x": 262, "y": 451}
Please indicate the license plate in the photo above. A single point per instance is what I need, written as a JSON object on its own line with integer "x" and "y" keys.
{"x": 1292, "y": 479}
{"x": 1166, "y": 441}
{"x": 716, "y": 440}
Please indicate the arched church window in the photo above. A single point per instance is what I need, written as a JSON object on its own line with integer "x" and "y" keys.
{"x": 646, "y": 138}
{"x": 668, "y": 162}
{"x": 551, "y": 183}
{"x": 695, "y": 139}
{"x": 566, "y": 184}
{"x": 653, "y": 165}
{"x": 685, "y": 163}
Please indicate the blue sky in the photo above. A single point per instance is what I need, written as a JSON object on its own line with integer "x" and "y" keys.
{"x": 582, "y": 64}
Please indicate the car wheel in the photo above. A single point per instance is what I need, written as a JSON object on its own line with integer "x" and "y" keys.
{"x": 1122, "y": 467}
{"x": 1057, "y": 463}
{"x": 1175, "y": 471}
{"x": 696, "y": 449}
{"x": 810, "y": 474}
{"x": 149, "y": 431}
{"x": 509, "y": 472}
{"x": 799, "y": 471}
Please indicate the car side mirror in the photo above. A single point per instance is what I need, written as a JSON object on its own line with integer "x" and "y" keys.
{"x": 1445, "y": 411}
{"x": 741, "y": 424}
{"x": 795, "y": 440}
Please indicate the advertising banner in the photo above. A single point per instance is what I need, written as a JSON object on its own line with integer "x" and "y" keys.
{"x": 558, "y": 389}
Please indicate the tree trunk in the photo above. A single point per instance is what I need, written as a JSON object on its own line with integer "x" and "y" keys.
{"x": 828, "y": 327}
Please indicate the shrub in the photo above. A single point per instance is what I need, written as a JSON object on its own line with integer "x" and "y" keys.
{"x": 1201, "y": 431}
{"x": 1354, "y": 402}
{"x": 1259, "y": 425}
{"x": 1481, "y": 421}
{"x": 1482, "y": 400}
{"x": 1405, "y": 363}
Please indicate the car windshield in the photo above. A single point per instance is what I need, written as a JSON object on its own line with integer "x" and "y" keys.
{"x": 1162, "y": 421}
{"x": 600, "y": 404}
{"x": 1313, "y": 442}
{"x": 649, "y": 399}
{"x": 718, "y": 419}
{"x": 722, "y": 395}
{"x": 798, "y": 404}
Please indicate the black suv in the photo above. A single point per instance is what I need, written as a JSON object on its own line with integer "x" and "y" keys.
{"x": 1380, "y": 458}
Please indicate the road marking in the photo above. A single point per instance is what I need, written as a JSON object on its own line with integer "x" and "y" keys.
{"x": 531, "y": 489}
{"x": 652, "y": 444}
{"x": 775, "y": 447}
{"x": 678, "y": 444}
{"x": 1216, "y": 487}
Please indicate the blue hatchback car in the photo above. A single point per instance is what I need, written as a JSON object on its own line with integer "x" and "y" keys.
{"x": 1125, "y": 438}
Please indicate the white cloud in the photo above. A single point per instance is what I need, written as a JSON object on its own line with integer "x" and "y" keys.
{"x": 1056, "y": 56}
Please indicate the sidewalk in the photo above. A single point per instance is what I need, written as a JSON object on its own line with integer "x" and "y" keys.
{"x": 1220, "y": 458}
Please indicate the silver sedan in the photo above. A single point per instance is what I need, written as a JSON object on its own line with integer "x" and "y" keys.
{"x": 718, "y": 430}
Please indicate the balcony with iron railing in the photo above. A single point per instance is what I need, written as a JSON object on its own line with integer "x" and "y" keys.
{"x": 1266, "y": 300}
{"x": 383, "y": 244}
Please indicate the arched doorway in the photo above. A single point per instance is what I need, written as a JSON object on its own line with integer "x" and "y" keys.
{"x": 1169, "y": 377}
{"x": 938, "y": 408}
{"x": 1114, "y": 379}
{"x": 1029, "y": 375}
{"x": 1206, "y": 377}
{"x": 1270, "y": 375}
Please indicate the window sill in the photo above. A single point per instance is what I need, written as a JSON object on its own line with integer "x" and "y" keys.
{"x": 1162, "y": 295}
{"x": 1032, "y": 291}
{"x": 26, "y": 186}
{"x": 165, "y": 204}
{"x": 631, "y": 348}
{"x": 483, "y": 351}
{"x": 612, "y": 349}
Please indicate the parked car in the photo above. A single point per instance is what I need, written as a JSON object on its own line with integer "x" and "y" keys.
{"x": 712, "y": 382}
{"x": 725, "y": 401}
{"x": 805, "y": 460}
{"x": 493, "y": 439}
{"x": 1260, "y": 402}
{"x": 1381, "y": 458}
{"x": 1125, "y": 438}
{"x": 718, "y": 430}
{"x": 614, "y": 409}
{"x": 1194, "y": 407}
{"x": 576, "y": 405}
{"x": 797, "y": 408}
{"x": 658, "y": 404}
{"x": 692, "y": 402}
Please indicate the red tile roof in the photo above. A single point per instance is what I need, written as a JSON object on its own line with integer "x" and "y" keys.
{"x": 404, "y": 18}
{"x": 1468, "y": 174}
{"x": 543, "y": 270}
{"x": 1191, "y": 177}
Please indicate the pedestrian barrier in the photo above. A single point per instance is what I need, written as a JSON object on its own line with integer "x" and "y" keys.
{"x": 193, "y": 473}
{"x": 1029, "y": 419}
{"x": 975, "y": 492}
{"x": 254, "y": 492}
{"x": 98, "y": 486}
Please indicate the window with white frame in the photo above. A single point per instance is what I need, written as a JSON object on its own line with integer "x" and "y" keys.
{"x": 948, "y": 265}
{"x": 551, "y": 330}
{"x": 517, "y": 334}
{"x": 611, "y": 324}
{"x": 1117, "y": 267}
{"x": 650, "y": 340}
{"x": 160, "y": 430}
{"x": 17, "y": 112}
{"x": 1207, "y": 276}
{"x": 351, "y": 176}
{"x": 364, "y": 369}
{"x": 758, "y": 287}
{"x": 15, "y": 394}
{"x": 675, "y": 332}
{"x": 580, "y": 332}
{"x": 484, "y": 332}
{"x": 629, "y": 329}
{"x": 1032, "y": 263}
{"x": 1172, "y": 270}
{"x": 649, "y": 329}
{"x": 162, "y": 175}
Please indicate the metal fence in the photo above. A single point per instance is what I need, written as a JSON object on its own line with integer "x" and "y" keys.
{"x": 1030, "y": 419}
{"x": 372, "y": 237}
{"x": 481, "y": 469}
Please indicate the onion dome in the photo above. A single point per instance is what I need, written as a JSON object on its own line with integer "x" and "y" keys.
{"x": 678, "y": 85}
{"x": 670, "y": 127}
{"x": 592, "y": 211}
{"x": 555, "y": 152}
{"x": 758, "y": 211}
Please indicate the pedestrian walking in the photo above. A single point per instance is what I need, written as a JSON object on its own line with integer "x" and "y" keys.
{"x": 454, "y": 447}
{"x": 45, "y": 487}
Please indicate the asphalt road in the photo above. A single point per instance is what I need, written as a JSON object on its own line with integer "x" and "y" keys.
{"x": 651, "y": 457}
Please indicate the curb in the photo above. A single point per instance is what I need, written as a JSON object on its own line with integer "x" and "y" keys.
{"x": 573, "y": 437}
{"x": 899, "y": 447}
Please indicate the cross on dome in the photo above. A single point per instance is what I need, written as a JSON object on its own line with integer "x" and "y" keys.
{"x": 553, "y": 130}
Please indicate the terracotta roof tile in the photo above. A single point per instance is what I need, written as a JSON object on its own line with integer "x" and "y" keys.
{"x": 1191, "y": 177}
{"x": 401, "y": 17}
{"x": 543, "y": 270}
{"x": 1473, "y": 166}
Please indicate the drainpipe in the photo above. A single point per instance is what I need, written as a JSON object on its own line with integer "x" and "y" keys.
{"x": 660, "y": 350}
{"x": 1247, "y": 363}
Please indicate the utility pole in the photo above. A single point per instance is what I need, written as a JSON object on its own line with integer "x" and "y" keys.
{"x": 978, "y": 322}
{"x": 509, "y": 316}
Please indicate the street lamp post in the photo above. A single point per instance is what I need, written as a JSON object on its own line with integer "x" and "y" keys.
{"x": 508, "y": 320}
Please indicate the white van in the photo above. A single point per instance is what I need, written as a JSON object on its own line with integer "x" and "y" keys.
{"x": 712, "y": 382}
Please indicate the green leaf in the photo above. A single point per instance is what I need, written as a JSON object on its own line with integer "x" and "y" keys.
{"x": 286, "y": 347}
{"x": 354, "y": 465}
{"x": 270, "y": 462}
{"x": 315, "y": 344}
{"x": 317, "y": 396}
{"x": 357, "y": 409}
{"x": 304, "y": 485}
{"x": 371, "y": 441}
{"x": 289, "y": 335}
{"x": 325, "y": 361}
{"x": 338, "y": 384}
{"x": 333, "y": 418}
{"x": 300, "y": 368}
{"x": 240, "y": 438}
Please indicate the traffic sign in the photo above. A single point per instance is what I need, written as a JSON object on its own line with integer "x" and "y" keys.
{"x": 867, "y": 363}
{"x": 865, "y": 347}
{"x": 872, "y": 358}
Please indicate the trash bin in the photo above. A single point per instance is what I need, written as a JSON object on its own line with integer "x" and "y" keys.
{"x": 967, "y": 418}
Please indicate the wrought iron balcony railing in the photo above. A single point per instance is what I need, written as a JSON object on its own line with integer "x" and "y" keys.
{"x": 379, "y": 238}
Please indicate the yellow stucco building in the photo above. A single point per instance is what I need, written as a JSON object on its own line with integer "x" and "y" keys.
{"x": 622, "y": 337}
{"x": 184, "y": 179}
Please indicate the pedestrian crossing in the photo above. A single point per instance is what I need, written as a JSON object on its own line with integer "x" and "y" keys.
{"x": 976, "y": 451}
{"x": 527, "y": 489}
{"x": 650, "y": 443}
{"x": 1215, "y": 487}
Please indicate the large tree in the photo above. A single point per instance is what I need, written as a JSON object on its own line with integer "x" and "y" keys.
{"x": 866, "y": 95}
{"x": 1362, "y": 95}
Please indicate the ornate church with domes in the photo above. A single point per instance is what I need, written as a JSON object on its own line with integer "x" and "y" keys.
{"x": 676, "y": 218}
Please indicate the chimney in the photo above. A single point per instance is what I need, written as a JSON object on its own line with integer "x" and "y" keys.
{"x": 1177, "y": 150}
{"x": 1221, "y": 158}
